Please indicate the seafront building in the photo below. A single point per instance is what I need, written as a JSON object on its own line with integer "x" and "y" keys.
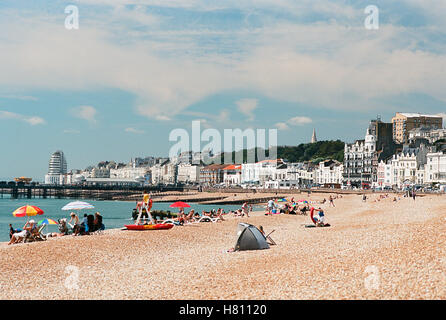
{"x": 232, "y": 175}
{"x": 57, "y": 169}
{"x": 361, "y": 158}
{"x": 329, "y": 173}
{"x": 410, "y": 150}
{"x": 435, "y": 168}
{"x": 403, "y": 123}
{"x": 188, "y": 173}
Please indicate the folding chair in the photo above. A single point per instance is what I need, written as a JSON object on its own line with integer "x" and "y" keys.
{"x": 268, "y": 238}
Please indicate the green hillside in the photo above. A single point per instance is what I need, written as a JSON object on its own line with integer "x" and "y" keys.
{"x": 314, "y": 152}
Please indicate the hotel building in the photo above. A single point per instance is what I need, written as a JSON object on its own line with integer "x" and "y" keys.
{"x": 403, "y": 123}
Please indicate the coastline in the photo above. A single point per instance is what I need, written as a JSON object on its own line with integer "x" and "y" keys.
{"x": 404, "y": 241}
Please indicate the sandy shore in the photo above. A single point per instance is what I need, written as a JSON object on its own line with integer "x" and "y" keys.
{"x": 374, "y": 250}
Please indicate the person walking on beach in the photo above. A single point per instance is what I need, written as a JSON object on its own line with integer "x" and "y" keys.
{"x": 364, "y": 198}
{"x": 270, "y": 206}
{"x": 413, "y": 195}
{"x": 245, "y": 209}
{"x": 331, "y": 201}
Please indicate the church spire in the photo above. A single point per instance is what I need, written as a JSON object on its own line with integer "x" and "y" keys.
{"x": 313, "y": 137}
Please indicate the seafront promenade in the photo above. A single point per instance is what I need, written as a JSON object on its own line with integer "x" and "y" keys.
{"x": 165, "y": 193}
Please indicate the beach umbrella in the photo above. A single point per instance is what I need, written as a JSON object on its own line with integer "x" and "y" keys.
{"x": 28, "y": 211}
{"x": 179, "y": 204}
{"x": 282, "y": 200}
{"x": 47, "y": 221}
{"x": 77, "y": 205}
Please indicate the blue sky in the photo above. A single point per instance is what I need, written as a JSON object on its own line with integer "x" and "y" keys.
{"x": 135, "y": 70}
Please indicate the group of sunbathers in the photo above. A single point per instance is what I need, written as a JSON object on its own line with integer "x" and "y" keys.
{"x": 287, "y": 208}
{"x": 90, "y": 223}
{"x": 193, "y": 216}
{"x": 18, "y": 235}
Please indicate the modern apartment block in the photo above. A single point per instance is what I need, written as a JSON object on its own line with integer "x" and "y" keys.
{"x": 57, "y": 169}
{"x": 405, "y": 122}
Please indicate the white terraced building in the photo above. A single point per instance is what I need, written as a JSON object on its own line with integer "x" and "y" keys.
{"x": 57, "y": 169}
{"x": 435, "y": 168}
{"x": 329, "y": 172}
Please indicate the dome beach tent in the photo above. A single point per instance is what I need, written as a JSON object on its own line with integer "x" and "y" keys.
{"x": 249, "y": 238}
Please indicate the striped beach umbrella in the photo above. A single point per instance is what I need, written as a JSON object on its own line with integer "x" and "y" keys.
{"x": 27, "y": 211}
{"x": 47, "y": 221}
{"x": 77, "y": 205}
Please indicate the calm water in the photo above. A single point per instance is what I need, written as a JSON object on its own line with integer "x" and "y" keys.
{"x": 115, "y": 213}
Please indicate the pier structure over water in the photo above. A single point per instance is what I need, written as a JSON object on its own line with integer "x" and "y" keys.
{"x": 18, "y": 191}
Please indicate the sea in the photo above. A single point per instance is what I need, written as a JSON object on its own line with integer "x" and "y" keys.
{"x": 115, "y": 213}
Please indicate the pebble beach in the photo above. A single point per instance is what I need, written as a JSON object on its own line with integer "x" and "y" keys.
{"x": 373, "y": 250}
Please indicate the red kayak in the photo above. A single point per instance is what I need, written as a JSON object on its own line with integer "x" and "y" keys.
{"x": 158, "y": 226}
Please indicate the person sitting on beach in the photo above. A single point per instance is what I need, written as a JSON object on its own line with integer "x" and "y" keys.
{"x": 74, "y": 218}
{"x": 98, "y": 225}
{"x": 63, "y": 228}
{"x": 220, "y": 216}
{"x": 12, "y": 231}
{"x": 205, "y": 213}
{"x": 189, "y": 217}
{"x": 19, "y": 236}
{"x": 197, "y": 215}
{"x": 321, "y": 220}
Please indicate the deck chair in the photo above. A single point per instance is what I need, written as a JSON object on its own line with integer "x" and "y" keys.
{"x": 37, "y": 235}
{"x": 207, "y": 219}
{"x": 269, "y": 239}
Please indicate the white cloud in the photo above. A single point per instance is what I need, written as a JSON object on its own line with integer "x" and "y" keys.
{"x": 282, "y": 126}
{"x": 334, "y": 65}
{"x": 32, "y": 120}
{"x": 85, "y": 112}
{"x": 133, "y": 130}
{"x": 247, "y": 107}
{"x": 299, "y": 121}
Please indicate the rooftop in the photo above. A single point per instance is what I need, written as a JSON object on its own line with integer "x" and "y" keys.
{"x": 416, "y": 115}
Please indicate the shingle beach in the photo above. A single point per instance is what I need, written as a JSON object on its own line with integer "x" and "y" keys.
{"x": 373, "y": 250}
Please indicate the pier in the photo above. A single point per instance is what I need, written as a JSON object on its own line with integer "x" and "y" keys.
{"x": 22, "y": 191}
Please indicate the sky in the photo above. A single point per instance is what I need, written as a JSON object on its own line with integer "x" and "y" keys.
{"x": 133, "y": 71}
